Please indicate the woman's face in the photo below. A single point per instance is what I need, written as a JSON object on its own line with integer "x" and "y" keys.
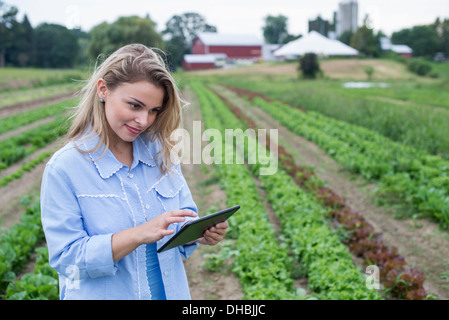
{"x": 130, "y": 108}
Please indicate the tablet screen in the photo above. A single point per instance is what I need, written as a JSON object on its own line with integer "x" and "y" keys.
{"x": 195, "y": 229}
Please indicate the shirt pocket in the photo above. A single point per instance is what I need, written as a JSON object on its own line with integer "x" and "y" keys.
{"x": 168, "y": 192}
{"x": 103, "y": 214}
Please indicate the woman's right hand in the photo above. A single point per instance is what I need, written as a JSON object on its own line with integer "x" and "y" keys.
{"x": 126, "y": 241}
{"x": 157, "y": 228}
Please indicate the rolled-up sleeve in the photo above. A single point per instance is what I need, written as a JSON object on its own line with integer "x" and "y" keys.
{"x": 69, "y": 245}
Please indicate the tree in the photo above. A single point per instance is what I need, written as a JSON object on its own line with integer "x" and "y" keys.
{"x": 422, "y": 39}
{"x": 275, "y": 29}
{"x": 369, "y": 70}
{"x": 291, "y": 37}
{"x": 55, "y": 45}
{"x": 442, "y": 30}
{"x": 106, "y": 38}
{"x": 7, "y": 21}
{"x": 176, "y": 49}
{"x": 365, "y": 41}
{"x": 180, "y": 31}
{"x": 309, "y": 65}
{"x": 20, "y": 52}
{"x": 187, "y": 26}
{"x": 47, "y": 46}
{"x": 83, "y": 42}
{"x": 26, "y": 55}
{"x": 346, "y": 36}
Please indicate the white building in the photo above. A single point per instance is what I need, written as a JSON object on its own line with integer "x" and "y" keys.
{"x": 347, "y": 17}
{"x": 400, "y": 49}
{"x": 314, "y": 42}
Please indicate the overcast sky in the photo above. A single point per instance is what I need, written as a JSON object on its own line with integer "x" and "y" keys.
{"x": 231, "y": 16}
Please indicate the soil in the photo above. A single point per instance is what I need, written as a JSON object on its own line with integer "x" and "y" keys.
{"x": 355, "y": 69}
{"x": 36, "y": 103}
{"x": 420, "y": 242}
{"x": 10, "y": 196}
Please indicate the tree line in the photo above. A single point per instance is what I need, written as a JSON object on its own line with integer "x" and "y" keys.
{"x": 45, "y": 46}
{"x": 55, "y": 46}
{"x": 424, "y": 40}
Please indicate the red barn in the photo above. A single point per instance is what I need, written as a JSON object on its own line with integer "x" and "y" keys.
{"x": 234, "y": 46}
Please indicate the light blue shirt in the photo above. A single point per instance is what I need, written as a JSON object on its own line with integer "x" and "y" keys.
{"x": 87, "y": 197}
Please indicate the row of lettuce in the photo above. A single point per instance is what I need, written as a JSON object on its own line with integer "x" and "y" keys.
{"x": 399, "y": 279}
{"x": 17, "y": 245}
{"x": 308, "y": 239}
{"x": 421, "y": 180}
{"x": 262, "y": 266}
{"x": 23, "y": 240}
{"x": 11, "y": 99}
{"x": 16, "y": 148}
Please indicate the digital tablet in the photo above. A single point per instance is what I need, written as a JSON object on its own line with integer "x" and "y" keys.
{"x": 195, "y": 229}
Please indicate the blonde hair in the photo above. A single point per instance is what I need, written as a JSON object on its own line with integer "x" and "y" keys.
{"x": 131, "y": 63}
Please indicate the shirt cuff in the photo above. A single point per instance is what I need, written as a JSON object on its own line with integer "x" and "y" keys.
{"x": 187, "y": 249}
{"x": 99, "y": 260}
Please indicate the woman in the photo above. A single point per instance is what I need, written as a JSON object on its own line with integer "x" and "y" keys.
{"x": 112, "y": 195}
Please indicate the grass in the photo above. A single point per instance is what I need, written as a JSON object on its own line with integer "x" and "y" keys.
{"x": 21, "y": 95}
{"x": 406, "y": 121}
{"x": 16, "y": 78}
{"x": 411, "y": 92}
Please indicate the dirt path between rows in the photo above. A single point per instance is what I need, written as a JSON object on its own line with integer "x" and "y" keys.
{"x": 420, "y": 242}
{"x": 27, "y": 127}
{"x": 206, "y": 285}
{"x": 33, "y": 104}
{"x": 11, "y": 194}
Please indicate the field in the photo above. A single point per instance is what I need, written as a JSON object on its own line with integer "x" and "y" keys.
{"x": 361, "y": 190}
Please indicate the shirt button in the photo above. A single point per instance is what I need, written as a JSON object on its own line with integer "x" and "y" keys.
{"x": 147, "y": 206}
{"x": 166, "y": 273}
{"x": 130, "y": 175}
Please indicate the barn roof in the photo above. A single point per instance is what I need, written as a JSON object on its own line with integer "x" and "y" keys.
{"x": 203, "y": 58}
{"x": 401, "y": 48}
{"x": 398, "y": 48}
{"x": 218, "y": 39}
{"x": 199, "y": 58}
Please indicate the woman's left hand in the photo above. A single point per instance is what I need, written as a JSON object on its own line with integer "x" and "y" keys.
{"x": 215, "y": 234}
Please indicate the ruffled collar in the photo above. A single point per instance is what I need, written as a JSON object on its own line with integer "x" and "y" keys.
{"x": 107, "y": 164}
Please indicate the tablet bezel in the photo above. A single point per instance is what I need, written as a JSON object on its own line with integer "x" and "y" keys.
{"x": 204, "y": 223}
